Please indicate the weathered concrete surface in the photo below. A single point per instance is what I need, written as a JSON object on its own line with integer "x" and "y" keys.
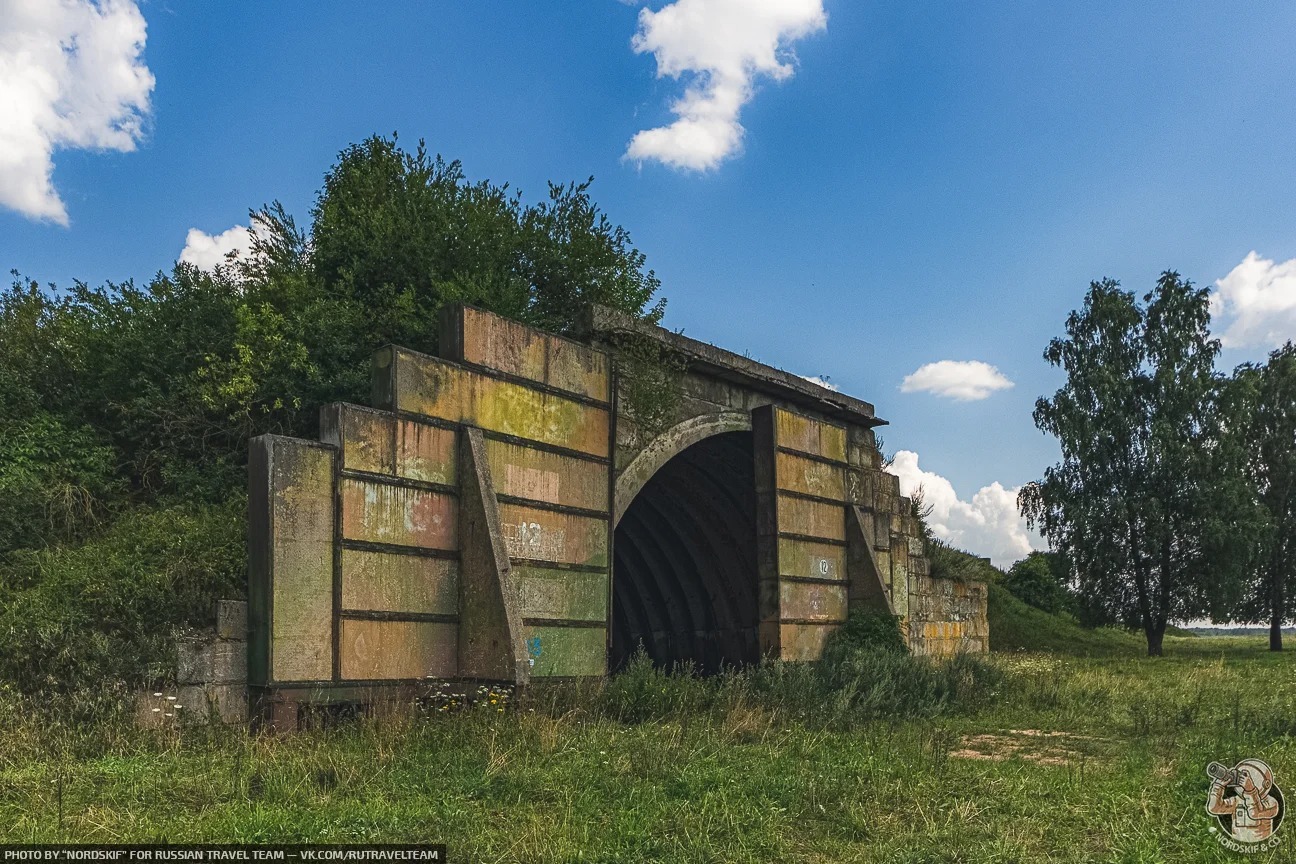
{"x": 560, "y": 538}
{"x": 484, "y": 339}
{"x": 389, "y": 582}
{"x": 538, "y": 475}
{"x": 375, "y": 512}
{"x": 290, "y": 560}
{"x": 477, "y": 508}
{"x": 415, "y": 383}
{"x": 397, "y": 650}
{"x": 490, "y": 628}
{"x": 378, "y": 442}
{"x": 566, "y": 595}
{"x": 947, "y": 616}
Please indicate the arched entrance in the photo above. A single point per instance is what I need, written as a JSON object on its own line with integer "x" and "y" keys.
{"x": 684, "y": 560}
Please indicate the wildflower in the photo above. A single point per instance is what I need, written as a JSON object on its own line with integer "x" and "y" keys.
{"x": 171, "y": 698}
{"x": 157, "y": 710}
{"x": 157, "y": 694}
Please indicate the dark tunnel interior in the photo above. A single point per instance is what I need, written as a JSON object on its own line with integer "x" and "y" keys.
{"x": 684, "y": 556}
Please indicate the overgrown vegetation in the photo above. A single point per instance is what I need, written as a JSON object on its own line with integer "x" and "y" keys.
{"x": 1113, "y": 748}
{"x": 125, "y": 411}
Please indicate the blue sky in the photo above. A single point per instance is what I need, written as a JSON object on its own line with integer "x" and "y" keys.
{"x": 858, "y": 189}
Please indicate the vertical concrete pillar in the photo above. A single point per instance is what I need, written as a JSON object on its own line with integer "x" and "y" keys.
{"x": 290, "y": 561}
{"x": 767, "y": 532}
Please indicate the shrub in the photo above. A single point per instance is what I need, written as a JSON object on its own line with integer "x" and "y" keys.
{"x": 79, "y": 617}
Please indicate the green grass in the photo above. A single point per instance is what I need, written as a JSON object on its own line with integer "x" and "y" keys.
{"x": 712, "y": 774}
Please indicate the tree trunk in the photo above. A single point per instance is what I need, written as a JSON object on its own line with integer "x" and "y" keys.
{"x": 1279, "y": 603}
{"x": 1155, "y": 634}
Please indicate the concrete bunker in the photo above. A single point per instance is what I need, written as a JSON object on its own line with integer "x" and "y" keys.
{"x": 497, "y": 516}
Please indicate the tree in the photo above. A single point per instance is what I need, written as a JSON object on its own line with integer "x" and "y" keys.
{"x": 1265, "y": 396}
{"x": 1040, "y": 580}
{"x": 1142, "y": 500}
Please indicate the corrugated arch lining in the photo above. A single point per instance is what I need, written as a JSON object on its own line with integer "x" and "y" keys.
{"x": 684, "y": 578}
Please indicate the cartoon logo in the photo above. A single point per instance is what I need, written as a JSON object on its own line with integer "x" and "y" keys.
{"x": 1247, "y": 804}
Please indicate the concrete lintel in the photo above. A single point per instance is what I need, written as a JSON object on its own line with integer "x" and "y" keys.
{"x": 726, "y": 365}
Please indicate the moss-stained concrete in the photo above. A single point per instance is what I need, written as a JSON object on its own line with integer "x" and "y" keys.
{"x": 566, "y": 651}
{"x": 397, "y": 650}
{"x": 390, "y": 582}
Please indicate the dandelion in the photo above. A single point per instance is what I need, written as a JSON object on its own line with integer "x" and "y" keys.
{"x": 157, "y": 694}
{"x": 157, "y": 710}
{"x": 168, "y": 714}
{"x": 171, "y": 698}
{"x": 177, "y": 707}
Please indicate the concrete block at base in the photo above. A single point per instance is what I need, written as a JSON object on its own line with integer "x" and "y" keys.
{"x": 231, "y": 619}
{"x": 193, "y": 661}
{"x": 228, "y": 663}
{"x": 228, "y": 703}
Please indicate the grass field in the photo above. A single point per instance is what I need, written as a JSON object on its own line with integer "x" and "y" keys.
{"x": 1069, "y": 758}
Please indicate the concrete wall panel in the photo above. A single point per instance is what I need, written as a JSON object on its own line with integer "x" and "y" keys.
{"x": 811, "y": 518}
{"x": 390, "y": 582}
{"x": 434, "y": 388}
{"x": 809, "y": 477}
{"x": 812, "y": 601}
{"x": 395, "y": 650}
{"x": 805, "y": 435}
{"x": 566, "y": 595}
{"x": 566, "y": 651}
{"x": 543, "y": 535}
{"x": 301, "y": 559}
{"x": 802, "y": 642}
{"x": 515, "y": 349}
{"x": 425, "y": 452}
{"x": 539, "y": 475}
{"x": 811, "y": 560}
{"x": 383, "y": 513}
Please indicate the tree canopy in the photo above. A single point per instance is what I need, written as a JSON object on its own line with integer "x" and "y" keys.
{"x": 1145, "y": 502}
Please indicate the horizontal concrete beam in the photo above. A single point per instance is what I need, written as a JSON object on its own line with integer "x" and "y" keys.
{"x": 726, "y": 365}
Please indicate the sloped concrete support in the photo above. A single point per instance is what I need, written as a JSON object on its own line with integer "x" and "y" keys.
{"x": 867, "y": 591}
{"x": 491, "y": 646}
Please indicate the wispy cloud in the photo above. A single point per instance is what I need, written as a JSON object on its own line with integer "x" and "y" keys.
{"x": 72, "y": 76}
{"x": 722, "y": 47}
{"x": 962, "y": 380}
{"x": 1255, "y": 303}
{"x": 988, "y": 525}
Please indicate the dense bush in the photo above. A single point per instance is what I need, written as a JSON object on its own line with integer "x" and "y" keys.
{"x": 77, "y": 616}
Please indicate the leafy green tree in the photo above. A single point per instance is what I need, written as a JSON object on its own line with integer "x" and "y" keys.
{"x": 1143, "y": 503}
{"x": 1266, "y": 423}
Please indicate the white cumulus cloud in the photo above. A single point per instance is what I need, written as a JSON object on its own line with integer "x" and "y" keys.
{"x": 72, "y": 76}
{"x": 1256, "y": 303}
{"x": 989, "y": 525}
{"x": 963, "y": 380}
{"x": 722, "y": 47}
{"x": 205, "y": 251}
